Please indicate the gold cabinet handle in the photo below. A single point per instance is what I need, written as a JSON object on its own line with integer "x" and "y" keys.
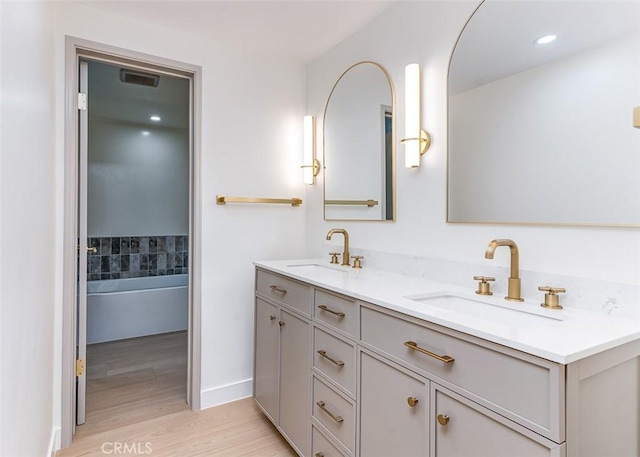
{"x": 281, "y": 323}
{"x": 443, "y": 419}
{"x": 413, "y": 401}
{"x": 443, "y": 358}
{"x": 278, "y": 289}
{"x": 319, "y": 454}
{"x": 272, "y": 318}
{"x": 323, "y": 407}
{"x": 323, "y": 353}
{"x": 92, "y": 249}
{"x": 329, "y": 310}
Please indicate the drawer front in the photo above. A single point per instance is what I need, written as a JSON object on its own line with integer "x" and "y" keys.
{"x": 526, "y": 389}
{"x": 336, "y": 359}
{"x": 287, "y": 291}
{"x": 464, "y": 428}
{"x": 337, "y": 312}
{"x": 322, "y": 447}
{"x": 335, "y": 412}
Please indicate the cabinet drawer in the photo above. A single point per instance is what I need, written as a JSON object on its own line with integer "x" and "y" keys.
{"x": 337, "y": 312}
{"x": 322, "y": 447}
{"x": 336, "y": 359}
{"x": 287, "y": 291}
{"x": 464, "y": 428}
{"x": 527, "y": 389}
{"x": 335, "y": 413}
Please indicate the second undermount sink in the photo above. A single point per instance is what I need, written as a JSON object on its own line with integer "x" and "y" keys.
{"x": 310, "y": 267}
{"x": 491, "y": 309}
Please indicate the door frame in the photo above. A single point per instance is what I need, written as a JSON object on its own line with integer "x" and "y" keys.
{"x": 76, "y": 48}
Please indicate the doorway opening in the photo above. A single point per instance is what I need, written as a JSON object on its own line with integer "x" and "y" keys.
{"x": 131, "y": 319}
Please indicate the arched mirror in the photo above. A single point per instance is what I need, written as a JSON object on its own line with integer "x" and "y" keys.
{"x": 359, "y": 146}
{"x": 543, "y": 133}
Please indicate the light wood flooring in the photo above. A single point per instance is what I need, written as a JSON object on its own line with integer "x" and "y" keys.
{"x": 136, "y": 399}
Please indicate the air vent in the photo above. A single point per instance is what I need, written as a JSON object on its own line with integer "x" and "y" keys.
{"x": 139, "y": 78}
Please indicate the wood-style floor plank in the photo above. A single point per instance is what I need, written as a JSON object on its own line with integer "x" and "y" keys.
{"x": 136, "y": 399}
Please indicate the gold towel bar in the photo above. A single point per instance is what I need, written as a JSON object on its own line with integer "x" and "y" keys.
{"x": 223, "y": 199}
{"x": 370, "y": 203}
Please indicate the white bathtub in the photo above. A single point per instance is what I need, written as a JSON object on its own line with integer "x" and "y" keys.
{"x": 128, "y": 308}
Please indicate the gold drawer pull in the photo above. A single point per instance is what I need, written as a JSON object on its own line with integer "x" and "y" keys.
{"x": 443, "y": 358}
{"x": 323, "y": 353}
{"x": 319, "y": 454}
{"x": 278, "y": 289}
{"x": 322, "y": 406}
{"x": 412, "y": 401}
{"x": 329, "y": 310}
{"x": 443, "y": 420}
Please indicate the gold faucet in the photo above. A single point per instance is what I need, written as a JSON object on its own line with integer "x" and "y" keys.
{"x": 345, "y": 253}
{"x": 513, "y": 292}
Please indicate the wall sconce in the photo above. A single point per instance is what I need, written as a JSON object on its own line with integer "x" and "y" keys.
{"x": 311, "y": 166}
{"x": 416, "y": 141}
{"x": 636, "y": 117}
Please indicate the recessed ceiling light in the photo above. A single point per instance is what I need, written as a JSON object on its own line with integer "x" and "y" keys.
{"x": 546, "y": 39}
{"x": 145, "y": 133}
{"x": 155, "y": 118}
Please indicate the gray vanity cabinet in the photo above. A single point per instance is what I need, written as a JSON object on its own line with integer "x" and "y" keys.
{"x": 462, "y": 428}
{"x": 340, "y": 377}
{"x": 394, "y": 410}
{"x": 266, "y": 375}
{"x": 282, "y": 364}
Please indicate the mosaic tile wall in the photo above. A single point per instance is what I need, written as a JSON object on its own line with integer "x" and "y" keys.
{"x": 137, "y": 256}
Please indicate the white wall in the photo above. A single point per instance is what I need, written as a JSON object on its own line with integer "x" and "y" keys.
{"x": 138, "y": 184}
{"x": 27, "y": 227}
{"x": 425, "y": 32}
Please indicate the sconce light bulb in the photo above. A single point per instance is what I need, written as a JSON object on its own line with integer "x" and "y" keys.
{"x": 412, "y": 115}
{"x": 308, "y": 159}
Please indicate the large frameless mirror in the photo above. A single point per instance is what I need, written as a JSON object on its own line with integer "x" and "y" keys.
{"x": 543, "y": 133}
{"x": 359, "y": 146}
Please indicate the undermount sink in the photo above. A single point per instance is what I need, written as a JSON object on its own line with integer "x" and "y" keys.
{"x": 491, "y": 309}
{"x": 310, "y": 267}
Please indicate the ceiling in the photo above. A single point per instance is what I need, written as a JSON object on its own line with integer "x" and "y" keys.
{"x": 296, "y": 30}
{"x": 110, "y": 98}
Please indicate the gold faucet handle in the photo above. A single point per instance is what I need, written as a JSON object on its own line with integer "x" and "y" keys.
{"x": 356, "y": 261}
{"x": 484, "y": 288}
{"x": 551, "y": 299}
{"x": 334, "y": 257}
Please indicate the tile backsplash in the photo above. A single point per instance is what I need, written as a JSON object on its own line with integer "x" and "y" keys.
{"x": 137, "y": 256}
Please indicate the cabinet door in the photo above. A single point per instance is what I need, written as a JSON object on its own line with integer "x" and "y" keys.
{"x": 295, "y": 379}
{"x": 462, "y": 428}
{"x": 391, "y": 422}
{"x": 265, "y": 377}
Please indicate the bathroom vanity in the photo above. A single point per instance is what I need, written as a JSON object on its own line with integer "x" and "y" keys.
{"x": 371, "y": 363}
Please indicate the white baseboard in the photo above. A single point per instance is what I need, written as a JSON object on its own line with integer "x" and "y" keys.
{"x": 54, "y": 442}
{"x": 226, "y": 394}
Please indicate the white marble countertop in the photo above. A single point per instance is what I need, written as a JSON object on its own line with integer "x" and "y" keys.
{"x": 562, "y": 336}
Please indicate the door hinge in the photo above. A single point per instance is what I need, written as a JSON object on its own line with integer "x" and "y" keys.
{"x": 79, "y": 367}
{"x": 82, "y": 101}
